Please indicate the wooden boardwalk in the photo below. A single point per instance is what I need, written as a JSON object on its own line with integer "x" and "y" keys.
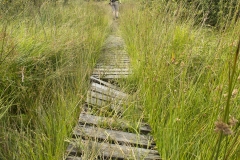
{"x": 106, "y": 137}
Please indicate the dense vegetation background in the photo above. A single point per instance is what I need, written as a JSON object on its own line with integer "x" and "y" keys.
{"x": 186, "y": 73}
{"x": 47, "y": 52}
{"x": 185, "y": 55}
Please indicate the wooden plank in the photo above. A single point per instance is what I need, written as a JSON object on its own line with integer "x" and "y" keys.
{"x": 96, "y": 120}
{"x": 117, "y": 53}
{"x": 112, "y": 69}
{"x": 113, "y": 65}
{"x": 107, "y": 98}
{"x": 108, "y": 91}
{"x": 116, "y": 57}
{"x": 73, "y": 158}
{"x": 123, "y": 70}
{"x": 117, "y": 106}
{"x": 111, "y": 72}
{"x": 112, "y": 150}
{"x": 93, "y": 79}
{"x": 100, "y": 96}
{"x": 110, "y": 76}
{"x": 97, "y": 102}
{"x": 113, "y": 135}
{"x": 120, "y": 74}
{"x": 111, "y": 60}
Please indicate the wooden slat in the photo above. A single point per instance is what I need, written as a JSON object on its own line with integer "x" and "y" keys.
{"x": 108, "y": 91}
{"x": 97, "y": 102}
{"x": 100, "y": 96}
{"x": 113, "y": 150}
{"x": 115, "y": 57}
{"x": 115, "y": 65}
{"x": 113, "y": 69}
{"x": 96, "y": 120}
{"x": 73, "y": 158}
{"x": 117, "y": 107}
{"x": 96, "y": 80}
{"x": 112, "y": 59}
{"x": 113, "y": 135}
{"x": 107, "y": 98}
{"x": 110, "y": 76}
{"x": 111, "y": 72}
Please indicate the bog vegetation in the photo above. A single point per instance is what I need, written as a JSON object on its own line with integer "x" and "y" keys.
{"x": 186, "y": 73}
{"x": 46, "y": 56}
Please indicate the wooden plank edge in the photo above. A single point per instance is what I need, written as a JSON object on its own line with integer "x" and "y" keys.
{"x": 112, "y": 150}
{"x": 96, "y": 120}
{"x": 114, "y": 136}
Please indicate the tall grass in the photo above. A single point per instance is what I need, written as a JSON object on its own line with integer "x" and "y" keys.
{"x": 46, "y": 57}
{"x": 181, "y": 72}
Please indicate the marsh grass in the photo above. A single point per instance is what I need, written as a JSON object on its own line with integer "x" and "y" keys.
{"x": 47, "y": 56}
{"x": 181, "y": 73}
{"x": 180, "y": 84}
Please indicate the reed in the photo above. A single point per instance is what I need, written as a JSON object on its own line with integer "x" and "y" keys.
{"x": 181, "y": 73}
{"x": 47, "y": 56}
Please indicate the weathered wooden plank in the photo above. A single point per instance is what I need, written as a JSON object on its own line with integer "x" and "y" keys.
{"x": 100, "y": 96}
{"x": 110, "y": 73}
{"x": 119, "y": 57}
{"x": 116, "y": 55}
{"x": 93, "y": 79}
{"x": 112, "y": 69}
{"x": 113, "y": 150}
{"x": 115, "y": 52}
{"x": 111, "y": 60}
{"x": 108, "y": 91}
{"x": 96, "y": 120}
{"x": 73, "y": 158}
{"x": 107, "y": 98}
{"x": 110, "y": 76}
{"x": 114, "y": 105}
{"x": 113, "y": 66}
{"x": 96, "y": 101}
{"x": 113, "y": 135}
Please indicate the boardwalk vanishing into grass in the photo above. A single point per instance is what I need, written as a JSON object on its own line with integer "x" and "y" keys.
{"x": 101, "y": 133}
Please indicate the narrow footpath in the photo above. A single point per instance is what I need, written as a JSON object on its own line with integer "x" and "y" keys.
{"x": 100, "y": 134}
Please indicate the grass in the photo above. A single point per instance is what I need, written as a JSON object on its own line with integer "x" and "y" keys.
{"x": 181, "y": 73}
{"x": 47, "y": 56}
{"x": 184, "y": 83}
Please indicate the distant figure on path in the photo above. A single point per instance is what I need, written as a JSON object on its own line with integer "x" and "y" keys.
{"x": 115, "y": 7}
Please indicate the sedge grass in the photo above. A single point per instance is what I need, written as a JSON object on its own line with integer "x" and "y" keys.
{"x": 181, "y": 74}
{"x": 45, "y": 78}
